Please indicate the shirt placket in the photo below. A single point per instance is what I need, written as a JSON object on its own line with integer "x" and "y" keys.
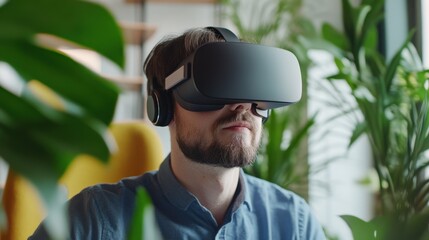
{"x": 221, "y": 234}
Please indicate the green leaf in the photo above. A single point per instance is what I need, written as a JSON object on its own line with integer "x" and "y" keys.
{"x": 348, "y": 21}
{"x": 371, "y": 39}
{"x": 298, "y": 137}
{"x": 275, "y": 130}
{"x": 420, "y": 195}
{"x": 359, "y": 129}
{"x": 41, "y": 148}
{"x": 374, "y": 16}
{"x": 37, "y": 141}
{"x": 24, "y": 120}
{"x": 375, "y": 62}
{"x": 78, "y": 84}
{"x": 143, "y": 224}
{"x": 335, "y": 37}
{"x": 415, "y": 227}
{"x": 390, "y": 227}
{"x": 394, "y": 63}
{"x": 81, "y": 22}
{"x": 361, "y": 17}
{"x": 411, "y": 59}
{"x": 310, "y": 43}
{"x": 296, "y": 141}
{"x": 362, "y": 230}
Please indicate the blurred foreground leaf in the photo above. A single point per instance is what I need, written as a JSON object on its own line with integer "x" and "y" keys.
{"x": 143, "y": 225}
{"x": 37, "y": 140}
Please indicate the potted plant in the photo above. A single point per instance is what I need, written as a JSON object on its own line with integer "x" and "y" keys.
{"x": 392, "y": 102}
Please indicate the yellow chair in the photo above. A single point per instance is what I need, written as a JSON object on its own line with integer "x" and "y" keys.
{"x": 139, "y": 150}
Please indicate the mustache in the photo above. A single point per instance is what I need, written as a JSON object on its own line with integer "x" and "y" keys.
{"x": 235, "y": 117}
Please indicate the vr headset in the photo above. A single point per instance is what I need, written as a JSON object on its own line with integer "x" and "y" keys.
{"x": 220, "y": 73}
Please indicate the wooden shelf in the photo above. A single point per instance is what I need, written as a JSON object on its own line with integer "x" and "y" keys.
{"x": 128, "y": 83}
{"x": 171, "y": 1}
{"x": 134, "y": 33}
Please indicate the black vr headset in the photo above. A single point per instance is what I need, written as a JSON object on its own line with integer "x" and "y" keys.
{"x": 220, "y": 73}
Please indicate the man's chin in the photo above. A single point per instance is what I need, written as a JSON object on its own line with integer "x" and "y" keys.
{"x": 226, "y": 158}
{"x": 238, "y": 141}
{"x": 225, "y": 152}
{"x": 228, "y": 165}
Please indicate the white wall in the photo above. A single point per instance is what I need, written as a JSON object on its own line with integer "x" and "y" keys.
{"x": 396, "y": 25}
{"x": 335, "y": 190}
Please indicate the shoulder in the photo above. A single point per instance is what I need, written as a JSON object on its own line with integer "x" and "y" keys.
{"x": 263, "y": 192}
{"x": 258, "y": 188}
{"x": 104, "y": 210}
{"x": 112, "y": 192}
{"x": 283, "y": 205}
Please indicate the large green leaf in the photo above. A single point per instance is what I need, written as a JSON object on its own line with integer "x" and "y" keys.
{"x": 57, "y": 130}
{"x": 362, "y": 230}
{"x": 80, "y": 85}
{"x": 81, "y": 22}
{"x": 36, "y": 140}
{"x": 389, "y": 227}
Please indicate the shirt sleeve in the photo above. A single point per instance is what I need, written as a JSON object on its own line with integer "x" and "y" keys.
{"x": 86, "y": 218}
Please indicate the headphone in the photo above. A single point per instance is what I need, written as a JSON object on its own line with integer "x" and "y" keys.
{"x": 159, "y": 102}
{"x": 159, "y": 105}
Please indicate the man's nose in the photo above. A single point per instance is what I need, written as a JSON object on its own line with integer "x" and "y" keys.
{"x": 241, "y": 107}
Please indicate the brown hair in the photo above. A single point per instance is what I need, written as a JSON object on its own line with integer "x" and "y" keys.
{"x": 166, "y": 56}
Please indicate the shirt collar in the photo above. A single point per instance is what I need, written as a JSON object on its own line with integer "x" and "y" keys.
{"x": 178, "y": 196}
{"x": 243, "y": 195}
{"x": 175, "y": 193}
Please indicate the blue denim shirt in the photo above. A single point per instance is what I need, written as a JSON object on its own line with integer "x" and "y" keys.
{"x": 260, "y": 210}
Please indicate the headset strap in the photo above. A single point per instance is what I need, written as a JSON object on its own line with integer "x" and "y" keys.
{"x": 224, "y": 33}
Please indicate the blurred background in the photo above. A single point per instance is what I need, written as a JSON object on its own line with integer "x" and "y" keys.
{"x": 336, "y": 177}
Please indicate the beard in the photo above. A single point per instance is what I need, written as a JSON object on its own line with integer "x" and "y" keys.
{"x": 216, "y": 153}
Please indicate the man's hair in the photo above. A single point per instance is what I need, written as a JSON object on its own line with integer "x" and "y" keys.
{"x": 166, "y": 56}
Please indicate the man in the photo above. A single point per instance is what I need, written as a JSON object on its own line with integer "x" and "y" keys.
{"x": 200, "y": 191}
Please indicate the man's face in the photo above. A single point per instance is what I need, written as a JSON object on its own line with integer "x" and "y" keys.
{"x": 227, "y": 138}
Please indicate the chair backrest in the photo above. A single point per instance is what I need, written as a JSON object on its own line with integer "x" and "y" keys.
{"x": 139, "y": 150}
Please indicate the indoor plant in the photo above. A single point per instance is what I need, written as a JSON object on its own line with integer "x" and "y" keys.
{"x": 37, "y": 140}
{"x": 391, "y": 99}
